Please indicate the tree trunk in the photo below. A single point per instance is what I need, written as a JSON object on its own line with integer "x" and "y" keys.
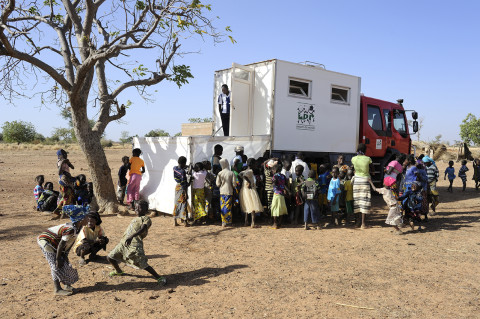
{"x": 100, "y": 172}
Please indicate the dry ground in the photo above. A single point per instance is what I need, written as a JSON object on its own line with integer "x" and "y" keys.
{"x": 242, "y": 272}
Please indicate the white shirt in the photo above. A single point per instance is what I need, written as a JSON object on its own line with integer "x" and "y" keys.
{"x": 297, "y": 162}
{"x": 199, "y": 179}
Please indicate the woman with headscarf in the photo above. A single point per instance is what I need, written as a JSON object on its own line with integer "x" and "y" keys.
{"x": 55, "y": 243}
{"x": 361, "y": 186}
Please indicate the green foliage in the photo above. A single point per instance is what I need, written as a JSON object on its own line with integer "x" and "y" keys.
{"x": 39, "y": 138}
{"x": 156, "y": 133}
{"x": 125, "y": 137}
{"x": 140, "y": 70}
{"x": 470, "y": 129}
{"x": 178, "y": 134}
{"x": 18, "y": 132}
{"x": 106, "y": 143}
{"x": 181, "y": 74}
{"x": 1, "y": 137}
{"x": 200, "y": 120}
{"x": 63, "y": 134}
{"x": 140, "y": 5}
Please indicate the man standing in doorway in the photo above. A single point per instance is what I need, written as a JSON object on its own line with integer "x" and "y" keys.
{"x": 224, "y": 108}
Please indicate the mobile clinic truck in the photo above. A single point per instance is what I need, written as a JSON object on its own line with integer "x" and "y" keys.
{"x": 283, "y": 107}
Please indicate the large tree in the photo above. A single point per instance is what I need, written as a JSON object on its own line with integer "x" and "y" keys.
{"x": 470, "y": 129}
{"x": 88, "y": 53}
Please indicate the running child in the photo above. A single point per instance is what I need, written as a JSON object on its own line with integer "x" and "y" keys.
{"x": 412, "y": 204}
{"x": 130, "y": 248}
{"x": 450, "y": 171}
{"x": 122, "y": 179}
{"x": 333, "y": 195}
{"x": 462, "y": 174}
{"x": 137, "y": 168}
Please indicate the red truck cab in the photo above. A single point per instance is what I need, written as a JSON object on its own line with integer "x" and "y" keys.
{"x": 384, "y": 129}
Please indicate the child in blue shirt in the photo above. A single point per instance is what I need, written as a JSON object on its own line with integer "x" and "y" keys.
{"x": 323, "y": 175}
{"x": 450, "y": 171}
{"x": 334, "y": 194}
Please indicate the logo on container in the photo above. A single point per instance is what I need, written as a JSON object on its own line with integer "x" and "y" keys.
{"x": 305, "y": 116}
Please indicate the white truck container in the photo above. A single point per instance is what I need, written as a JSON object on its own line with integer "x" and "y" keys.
{"x": 301, "y": 106}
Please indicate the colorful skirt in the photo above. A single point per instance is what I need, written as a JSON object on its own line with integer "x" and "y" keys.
{"x": 67, "y": 275}
{"x": 66, "y": 196}
{"x": 199, "y": 203}
{"x": 362, "y": 198}
{"x": 279, "y": 207}
{"x": 181, "y": 203}
{"x": 226, "y": 204}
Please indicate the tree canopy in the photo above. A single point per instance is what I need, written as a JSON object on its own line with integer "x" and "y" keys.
{"x": 89, "y": 52}
{"x": 18, "y": 132}
{"x": 470, "y": 129}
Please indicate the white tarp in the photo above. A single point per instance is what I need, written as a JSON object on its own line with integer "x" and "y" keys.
{"x": 161, "y": 153}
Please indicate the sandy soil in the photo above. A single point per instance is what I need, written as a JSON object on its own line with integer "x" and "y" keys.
{"x": 242, "y": 272}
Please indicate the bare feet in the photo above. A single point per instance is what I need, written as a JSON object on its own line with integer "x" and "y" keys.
{"x": 364, "y": 226}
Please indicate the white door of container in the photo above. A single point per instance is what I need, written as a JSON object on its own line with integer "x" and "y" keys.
{"x": 241, "y": 100}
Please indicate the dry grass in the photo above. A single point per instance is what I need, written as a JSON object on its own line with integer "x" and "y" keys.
{"x": 67, "y": 147}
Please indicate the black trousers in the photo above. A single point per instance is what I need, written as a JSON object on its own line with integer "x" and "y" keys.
{"x": 225, "y": 123}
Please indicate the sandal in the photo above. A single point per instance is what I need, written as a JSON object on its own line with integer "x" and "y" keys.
{"x": 115, "y": 273}
{"x": 162, "y": 280}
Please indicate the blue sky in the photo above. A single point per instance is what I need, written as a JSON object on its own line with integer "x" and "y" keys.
{"x": 426, "y": 52}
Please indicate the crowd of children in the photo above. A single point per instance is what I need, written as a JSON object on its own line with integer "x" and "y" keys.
{"x": 272, "y": 188}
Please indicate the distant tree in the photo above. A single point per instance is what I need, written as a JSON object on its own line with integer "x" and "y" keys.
{"x": 178, "y": 134}
{"x": 437, "y": 139}
{"x": 18, "y": 132}
{"x": 125, "y": 137}
{"x": 200, "y": 120}
{"x": 1, "y": 137}
{"x": 157, "y": 133}
{"x": 39, "y": 138}
{"x": 63, "y": 134}
{"x": 470, "y": 129}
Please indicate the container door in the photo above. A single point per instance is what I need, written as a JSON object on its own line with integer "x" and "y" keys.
{"x": 241, "y": 100}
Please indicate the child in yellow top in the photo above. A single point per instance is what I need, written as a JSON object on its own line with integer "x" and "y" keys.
{"x": 136, "y": 169}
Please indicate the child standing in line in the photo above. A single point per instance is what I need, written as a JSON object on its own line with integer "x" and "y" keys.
{"x": 226, "y": 182}
{"x": 181, "y": 194}
{"x": 348, "y": 187}
{"x": 342, "y": 176}
{"x": 432, "y": 178}
{"x": 122, "y": 180}
{"x": 450, "y": 171}
{"x": 310, "y": 190}
{"x": 198, "y": 189}
{"x": 394, "y": 217}
{"x": 297, "y": 196}
{"x": 130, "y": 248}
{"x": 38, "y": 190}
{"x": 462, "y": 173}
{"x": 249, "y": 200}
{"x": 217, "y": 156}
{"x": 279, "y": 207}
{"x": 323, "y": 176}
{"x": 476, "y": 172}
{"x": 215, "y": 203}
{"x": 137, "y": 168}
{"x": 208, "y": 187}
{"x": 333, "y": 195}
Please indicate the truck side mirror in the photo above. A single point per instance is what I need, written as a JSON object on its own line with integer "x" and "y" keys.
{"x": 415, "y": 126}
{"x": 414, "y": 115}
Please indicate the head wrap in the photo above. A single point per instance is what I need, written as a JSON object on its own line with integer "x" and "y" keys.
{"x": 75, "y": 212}
{"x": 96, "y": 216}
{"x": 271, "y": 163}
{"x": 427, "y": 159}
{"x": 239, "y": 148}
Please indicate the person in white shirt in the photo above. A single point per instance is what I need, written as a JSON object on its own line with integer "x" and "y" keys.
{"x": 224, "y": 108}
{"x": 299, "y": 160}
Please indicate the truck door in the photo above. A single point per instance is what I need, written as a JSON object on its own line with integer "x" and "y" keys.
{"x": 241, "y": 103}
{"x": 375, "y": 132}
{"x": 387, "y": 116}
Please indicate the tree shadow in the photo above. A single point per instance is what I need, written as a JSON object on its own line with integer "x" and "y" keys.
{"x": 15, "y": 232}
{"x": 189, "y": 278}
{"x": 156, "y": 256}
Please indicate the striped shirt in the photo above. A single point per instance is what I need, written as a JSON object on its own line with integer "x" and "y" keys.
{"x": 432, "y": 173}
{"x": 55, "y": 234}
{"x": 37, "y": 191}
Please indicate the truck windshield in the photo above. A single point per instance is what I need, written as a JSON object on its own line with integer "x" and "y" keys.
{"x": 399, "y": 122}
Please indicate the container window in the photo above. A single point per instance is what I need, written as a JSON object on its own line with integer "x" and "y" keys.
{"x": 299, "y": 88}
{"x": 340, "y": 95}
